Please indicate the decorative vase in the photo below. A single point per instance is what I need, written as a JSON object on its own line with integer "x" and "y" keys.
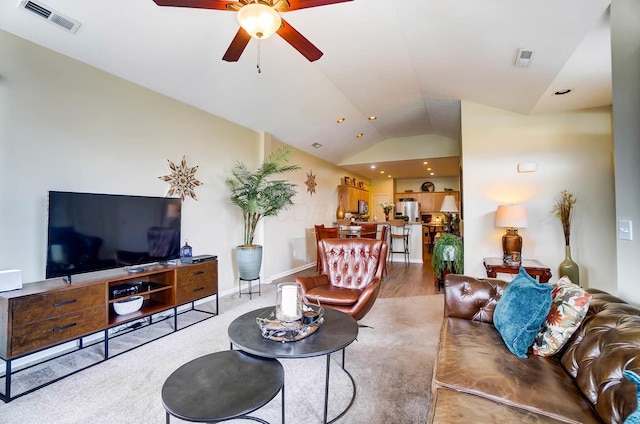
{"x": 569, "y": 268}
{"x": 386, "y": 216}
{"x": 340, "y": 212}
{"x": 249, "y": 260}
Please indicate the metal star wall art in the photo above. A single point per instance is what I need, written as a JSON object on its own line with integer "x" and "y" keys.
{"x": 182, "y": 180}
{"x": 311, "y": 182}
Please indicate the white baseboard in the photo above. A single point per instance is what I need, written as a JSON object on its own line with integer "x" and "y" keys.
{"x": 289, "y": 272}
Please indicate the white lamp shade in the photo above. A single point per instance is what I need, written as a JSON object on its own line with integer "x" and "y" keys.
{"x": 449, "y": 204}
{"x": 259, "y": 20}
{"x": 511, "y": 216}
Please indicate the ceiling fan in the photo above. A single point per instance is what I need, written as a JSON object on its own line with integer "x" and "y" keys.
{"x": 259, "y": 19}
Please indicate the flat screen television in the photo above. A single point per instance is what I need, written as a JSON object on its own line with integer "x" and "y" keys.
{"x": 92, "y": 232}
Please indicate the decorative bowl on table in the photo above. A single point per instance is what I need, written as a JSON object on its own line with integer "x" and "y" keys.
{"x": 290, "y": 331}
{"x": 128, "y": 305}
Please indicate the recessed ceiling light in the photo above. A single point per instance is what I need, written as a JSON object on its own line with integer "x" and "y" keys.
{"x": 382, "y": 172}
{"x": 425, "y": 162}
{"x": 359, "y": 135}
{"x": 340, "y": 120}
{"x": 316, "y": 145}
{"x": 389, "y": 176}
{"x": 561, "y": 92}
{"x": 432, "y": 173}
{"x": 373, "y": 167}
{"x": 429, "y": 169}
{"x": 372, "y": 118}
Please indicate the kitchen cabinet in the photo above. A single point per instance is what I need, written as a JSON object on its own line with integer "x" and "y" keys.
{"x": 348, "y": 197}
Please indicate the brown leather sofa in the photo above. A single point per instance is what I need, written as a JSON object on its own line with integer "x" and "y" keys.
{"x": 350, "y": 275}
{"x": 476, "y": 378}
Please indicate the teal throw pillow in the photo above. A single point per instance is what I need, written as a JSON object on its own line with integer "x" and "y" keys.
{"x": 521, "y": 311}
{"x": 634, "y": 418}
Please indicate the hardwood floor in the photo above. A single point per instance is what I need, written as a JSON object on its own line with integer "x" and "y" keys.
{"x": 401, "y": 281}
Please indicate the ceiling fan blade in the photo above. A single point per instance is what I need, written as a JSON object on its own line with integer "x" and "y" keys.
{"x": 237, "y": 46}
{"x": 280, "y": 5}
{"x": 299, "y": 42}
{"x": 305, "y": 4}
{"x": 201, "y": 4}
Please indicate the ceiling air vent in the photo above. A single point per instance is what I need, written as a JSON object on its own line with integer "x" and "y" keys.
{"x": 50, "y": 15}
{"x": 523, "y": 58}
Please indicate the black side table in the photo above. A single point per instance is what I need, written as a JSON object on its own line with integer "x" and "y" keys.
{"x": 222, "y": 386}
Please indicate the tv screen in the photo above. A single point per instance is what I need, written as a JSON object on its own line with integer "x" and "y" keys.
{"x": 92, "y": 232}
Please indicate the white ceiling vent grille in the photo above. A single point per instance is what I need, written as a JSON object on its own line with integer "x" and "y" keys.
{"x": 50, "y": 15}
{"x": 523, "y": 58}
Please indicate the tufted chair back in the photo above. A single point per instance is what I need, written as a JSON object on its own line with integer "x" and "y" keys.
{"x": 351, "y": 262}
{"x": 350, "y": 275}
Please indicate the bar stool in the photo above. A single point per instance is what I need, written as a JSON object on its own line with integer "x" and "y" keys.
{"x": 399, "y": 234}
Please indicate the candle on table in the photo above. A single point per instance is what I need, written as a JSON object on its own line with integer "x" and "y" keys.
{"x": 289, "y": 300}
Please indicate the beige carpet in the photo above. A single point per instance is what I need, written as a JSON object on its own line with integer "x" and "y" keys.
{"x": 391, "y": 364}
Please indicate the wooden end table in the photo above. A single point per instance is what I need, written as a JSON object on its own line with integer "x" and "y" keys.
{"x": 533, "y": 267}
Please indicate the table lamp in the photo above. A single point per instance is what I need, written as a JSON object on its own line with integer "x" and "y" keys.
{"x": 511, "y": 217}
{"x": 448, "y": 207}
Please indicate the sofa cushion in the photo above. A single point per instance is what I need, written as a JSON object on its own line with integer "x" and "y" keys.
{"x": 569, "y": 306}
{"x": 450, "y": 406}
{"x": 521, "y": 311}
{"x": 473, "y": 359}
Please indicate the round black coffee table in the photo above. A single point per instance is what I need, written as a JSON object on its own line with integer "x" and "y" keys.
{"x": 222, "y": 386}
{"x": 337, "y": 332}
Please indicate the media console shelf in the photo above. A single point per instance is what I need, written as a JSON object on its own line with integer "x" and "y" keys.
{"x": 49, "y": 313}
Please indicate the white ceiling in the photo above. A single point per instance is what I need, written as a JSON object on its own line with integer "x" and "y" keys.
{"x": 408, "y": 62}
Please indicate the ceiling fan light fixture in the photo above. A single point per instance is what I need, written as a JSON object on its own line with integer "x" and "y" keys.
{"x": 259, "y": 20}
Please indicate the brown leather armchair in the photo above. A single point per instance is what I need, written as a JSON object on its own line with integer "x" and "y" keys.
{"x": 350, "y": 275}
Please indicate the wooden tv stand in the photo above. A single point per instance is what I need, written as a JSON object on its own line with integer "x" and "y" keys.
{"x": 48, "y": 313}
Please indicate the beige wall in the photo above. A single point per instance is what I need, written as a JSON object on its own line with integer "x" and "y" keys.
{"x": 289, "y": 236}
{"x": 70, "y": 127}
{"x": 573, "y": 151}
{"x": 625, "y": 47}
{"x": 67, "y": 126}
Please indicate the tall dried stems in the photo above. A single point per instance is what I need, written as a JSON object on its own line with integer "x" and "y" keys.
{"x": 564, "y": 209}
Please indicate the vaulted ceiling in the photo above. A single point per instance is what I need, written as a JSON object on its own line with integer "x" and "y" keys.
{"x": 407, "y": 62}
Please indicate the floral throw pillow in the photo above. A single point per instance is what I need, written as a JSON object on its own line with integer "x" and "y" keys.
{"x": 569, "y": 305}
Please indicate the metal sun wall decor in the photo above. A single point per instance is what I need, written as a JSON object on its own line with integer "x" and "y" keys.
{"x": 182, "y": 180}
{"x": 311, "y": 183}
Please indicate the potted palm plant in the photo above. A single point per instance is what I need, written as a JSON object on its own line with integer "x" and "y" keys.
{"x": 448, "y": 254}
{"x": 259, "y": 195}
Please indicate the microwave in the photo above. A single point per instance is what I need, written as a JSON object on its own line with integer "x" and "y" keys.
{"x": 363, "y": 207}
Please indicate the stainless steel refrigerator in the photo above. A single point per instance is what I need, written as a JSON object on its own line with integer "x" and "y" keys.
{"x": 409, "y": 208}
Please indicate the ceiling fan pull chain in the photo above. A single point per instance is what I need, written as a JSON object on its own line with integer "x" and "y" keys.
{"x": 258, "y": 60}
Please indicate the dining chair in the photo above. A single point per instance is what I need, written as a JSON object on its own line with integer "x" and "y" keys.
{"x": 323, "y": 232}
